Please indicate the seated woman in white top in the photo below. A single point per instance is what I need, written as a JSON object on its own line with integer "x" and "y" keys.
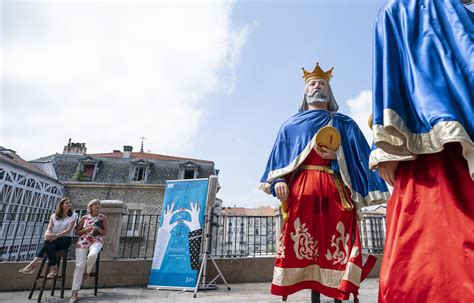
{"x": 57, "y": 237}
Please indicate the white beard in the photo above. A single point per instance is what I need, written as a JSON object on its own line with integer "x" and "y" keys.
{"x": 317, "y": 98}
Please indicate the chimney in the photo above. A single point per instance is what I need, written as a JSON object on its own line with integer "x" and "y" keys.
{"x": 75, "y": 148}
{"x": 127, "y": 151}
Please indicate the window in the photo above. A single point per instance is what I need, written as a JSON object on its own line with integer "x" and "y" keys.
{"x": 229, "y": 234}
{"x": 242, "y": 233}
{"x": 189, "y": 173}
{"x": 24, "y": 248}
{"x": 89, "y": 170}
{"x": 133, "y": 222}
{"x": 140, "y": 174}
{"x": 86, "y": 169}
{"x": 139, "y": 171}
{"x": 188, "y": 170}
{"x": 13, "y": 249}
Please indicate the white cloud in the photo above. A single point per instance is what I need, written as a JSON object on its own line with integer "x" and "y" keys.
{"x": 360, "y": 108}
{"x": 106, "y": 73}
{"x": 236, "y": 44}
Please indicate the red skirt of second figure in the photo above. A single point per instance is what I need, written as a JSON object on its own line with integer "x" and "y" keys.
{"x": 319, "y": 244}
{"x": 429, "y": 251}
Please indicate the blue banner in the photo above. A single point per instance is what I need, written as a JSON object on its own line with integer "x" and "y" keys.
{"x": 178, "y": 242}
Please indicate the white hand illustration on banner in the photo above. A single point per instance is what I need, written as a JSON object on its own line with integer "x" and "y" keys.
{"x": 194, "y": 212}
{"x": 168, "y": 214}
{"x": 164, "y": 235}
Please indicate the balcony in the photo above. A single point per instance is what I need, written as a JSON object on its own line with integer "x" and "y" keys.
{"x": 126, "y": 259}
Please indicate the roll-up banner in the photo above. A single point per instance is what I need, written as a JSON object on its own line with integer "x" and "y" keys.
{"x": 178, "y": 242}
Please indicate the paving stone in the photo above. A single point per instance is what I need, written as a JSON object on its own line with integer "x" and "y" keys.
{"x": 246, "y": 292}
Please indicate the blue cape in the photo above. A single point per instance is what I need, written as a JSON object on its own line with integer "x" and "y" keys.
{"x": 296, "y": 138}
{"x": 423, "y": 77}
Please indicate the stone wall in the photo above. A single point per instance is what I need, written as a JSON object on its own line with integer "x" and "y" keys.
{"x": 120, "y": 273}
{"x": 113, "y": 273}
{"x": 147, "y": 197}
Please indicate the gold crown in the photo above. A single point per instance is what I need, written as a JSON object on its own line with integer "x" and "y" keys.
{"x": 317, "y": 73}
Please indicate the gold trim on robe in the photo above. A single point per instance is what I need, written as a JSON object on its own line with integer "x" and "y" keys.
{"x": 327, "y": 277}
{"x": 400, "y": 144}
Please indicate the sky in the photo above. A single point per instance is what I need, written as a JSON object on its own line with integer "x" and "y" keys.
{"x": 210, "y": 80}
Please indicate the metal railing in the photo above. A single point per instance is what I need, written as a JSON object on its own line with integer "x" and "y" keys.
{"x": 243, "y": 236}
{"x": 138, "y": 236}
{"x": 232, "y": 236}
{"x": 235, "y": 236}
{"x": 21, "y": 234}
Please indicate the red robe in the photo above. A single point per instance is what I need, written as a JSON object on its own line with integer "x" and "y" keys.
{"x": 319, "y": 245}
{"x": 429, "y": 250}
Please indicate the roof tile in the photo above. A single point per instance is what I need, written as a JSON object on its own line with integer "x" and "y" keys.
{"x": 148, "y": 156}
{"x": 10, "y": 156}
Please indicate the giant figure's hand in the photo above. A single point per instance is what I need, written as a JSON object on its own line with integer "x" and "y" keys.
{"x": 387, "y": 171}
{"x": 281, "y": 191}
{"x": 194, "y": 212}
{"x": 325, "y": 152}
{"x": 168, "y": 214}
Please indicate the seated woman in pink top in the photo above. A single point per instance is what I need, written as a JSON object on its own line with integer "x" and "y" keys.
{"x": 91, "y": 229}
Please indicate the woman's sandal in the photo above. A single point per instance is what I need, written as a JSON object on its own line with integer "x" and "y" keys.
{"x": 74, "y": 296}
{"x": 28, "y": 269}
{"x": 52, "y": 273}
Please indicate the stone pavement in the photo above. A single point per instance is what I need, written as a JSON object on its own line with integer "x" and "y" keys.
{"x": 246, "y": 292}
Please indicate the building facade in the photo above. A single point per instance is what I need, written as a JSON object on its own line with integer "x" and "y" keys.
{"x": 241, "y": 232}
{"x": 28, "y": 197}
{"x": 135, "y": 178}
{"x": 373, "y": 229}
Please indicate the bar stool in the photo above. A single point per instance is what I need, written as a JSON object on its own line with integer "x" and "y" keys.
{"x": 95, "y": 274}
{"x": 62, "y": 255}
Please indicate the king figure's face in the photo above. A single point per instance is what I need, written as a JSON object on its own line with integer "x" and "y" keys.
{"x": 317, "y": 91}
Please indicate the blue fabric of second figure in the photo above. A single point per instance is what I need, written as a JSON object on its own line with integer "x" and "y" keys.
{"x": 424, "y": 64}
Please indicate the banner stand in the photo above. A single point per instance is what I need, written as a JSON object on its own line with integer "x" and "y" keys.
{"x": 207, "y": 255}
